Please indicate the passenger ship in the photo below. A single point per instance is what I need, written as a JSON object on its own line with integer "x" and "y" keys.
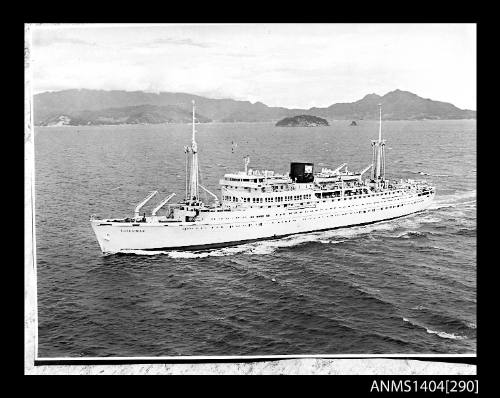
{"x": 258, "y": 205}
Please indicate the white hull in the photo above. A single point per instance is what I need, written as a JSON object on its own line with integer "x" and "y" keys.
{"x": 253, "y": 224}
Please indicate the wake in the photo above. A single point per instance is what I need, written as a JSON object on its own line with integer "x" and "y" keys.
{"x": 443, "y": 335}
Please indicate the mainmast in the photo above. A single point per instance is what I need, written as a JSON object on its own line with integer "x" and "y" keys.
{"x": 378, "y": 171}
{"x": 193, "y": 181}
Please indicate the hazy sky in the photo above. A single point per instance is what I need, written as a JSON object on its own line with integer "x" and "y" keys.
{"x": 291, "y": 65}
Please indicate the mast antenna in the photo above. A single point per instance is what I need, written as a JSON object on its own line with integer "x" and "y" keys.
{"x": 380, "y": 123}
{"x": 193, "y": 185}
{"x": 247, "y": 161}
{"x": 378, "y": 170}
{"x": 193, "y": 139}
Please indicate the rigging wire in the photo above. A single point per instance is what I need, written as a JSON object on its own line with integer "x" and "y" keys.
{"x": 200, "y": 178}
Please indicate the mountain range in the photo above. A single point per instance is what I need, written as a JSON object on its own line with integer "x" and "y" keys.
{"x": 94, "y": 107}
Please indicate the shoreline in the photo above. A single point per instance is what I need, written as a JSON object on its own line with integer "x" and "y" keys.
{"x": 260, "y": 122}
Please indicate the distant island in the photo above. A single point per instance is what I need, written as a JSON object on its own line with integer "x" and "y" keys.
{"x": 302, "y": 121}
{"x": 81, "y": 107}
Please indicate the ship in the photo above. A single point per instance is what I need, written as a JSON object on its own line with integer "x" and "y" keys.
{"x": 261, "y": 204}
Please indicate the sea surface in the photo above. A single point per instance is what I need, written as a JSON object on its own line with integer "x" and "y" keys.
{"x": 398, "y": 287}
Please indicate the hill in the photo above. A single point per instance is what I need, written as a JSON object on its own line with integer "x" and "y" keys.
{"x": 141, "y": 114}
{"x": 302, "y": 121}
{"x": 82, "y": 106}
{"x": 396, "y": 105}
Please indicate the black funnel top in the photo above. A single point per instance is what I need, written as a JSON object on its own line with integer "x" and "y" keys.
{"x": 302, "y": 172}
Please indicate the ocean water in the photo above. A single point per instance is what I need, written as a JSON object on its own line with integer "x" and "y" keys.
{"x": 405, "y": 286}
